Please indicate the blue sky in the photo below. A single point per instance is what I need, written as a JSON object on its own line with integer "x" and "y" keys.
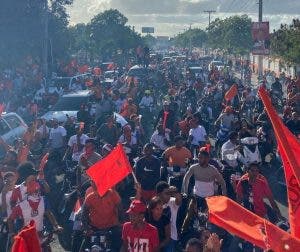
{"x": 170, "y": 17}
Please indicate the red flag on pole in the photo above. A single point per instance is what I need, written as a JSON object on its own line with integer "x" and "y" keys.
{"x": 289, "y": 149}
{"x": 231, "y": 93}
{"x": 27, "y": 240}
{"x": 237, "y": 220}
{"x": 109, "y": 171}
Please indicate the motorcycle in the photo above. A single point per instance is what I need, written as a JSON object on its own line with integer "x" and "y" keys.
{"x": 222, "y": 137}
{"x": 251, "y": 153}
{"x": 175, "y": 176}
{"x": 100, "y": 241}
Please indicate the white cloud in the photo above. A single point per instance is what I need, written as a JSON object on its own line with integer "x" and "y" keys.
{"x": 170, "y": 17}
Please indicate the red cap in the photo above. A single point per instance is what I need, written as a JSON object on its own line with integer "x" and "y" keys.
{"x": 137, "y": 206}
{"x": 32, "y": 187}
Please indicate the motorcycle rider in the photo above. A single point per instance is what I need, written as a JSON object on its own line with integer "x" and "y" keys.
{"x": 177, "y": 157}
{"x": 205, "y": 177}
{"x": 226, "y": 118}
{"x": 251, "y": 191}
{"x": 102, "y": 213}
{"x": 147, "y": 170}
{"x": 277, "y": 87}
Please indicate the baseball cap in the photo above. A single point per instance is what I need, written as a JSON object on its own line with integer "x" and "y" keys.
{"x": 137, "y": 207}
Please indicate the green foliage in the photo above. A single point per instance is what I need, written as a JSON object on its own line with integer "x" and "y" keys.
{"x": 108, "y": 33}
{"x": 192, "y": 37}
{"x": 149, "y": 40}
{"x": 22, "y": 25}
{"x": 285, "y": 42}
{"x": 232, "y": 34}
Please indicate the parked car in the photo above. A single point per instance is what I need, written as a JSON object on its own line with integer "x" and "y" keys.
{"x": 69, "y": 105}
{"x": 137, "y": 71}
{"x": 12, "y": 127}
{"x": 216, "y": 63}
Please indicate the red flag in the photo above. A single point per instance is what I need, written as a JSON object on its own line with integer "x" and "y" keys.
{"x": 289, "y": 149}
{"x": 27, "y": 240}
{"x": 2, "y": 108}
{"x": 237, "y": 220}
{"x": 231, "y": 93}
{"x": 109, "y": 171}
{"x": 83, "y": 69}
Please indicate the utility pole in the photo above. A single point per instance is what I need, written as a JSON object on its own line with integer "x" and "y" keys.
{"x": 209, "y": 12}
{"x": 46, "y": 40}
{"x": 190, "y": 40}
{"x": 260, "y": 57}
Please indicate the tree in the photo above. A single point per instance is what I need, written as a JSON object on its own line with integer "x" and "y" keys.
{"x": 22, "y": 26}
{"x": 192, "y": 37}
{"x": 109, "y": 33}
{"x": 149, "y": 40}
{"x": 285, "y": 42}
{"x": 232, "y": 34}
{"x": 80, "y": 39}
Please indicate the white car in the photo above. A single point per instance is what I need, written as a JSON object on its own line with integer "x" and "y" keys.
{"x": 12, "y": 127}
{"x": 216, "y": 63}
{"x": 69, "y": 105}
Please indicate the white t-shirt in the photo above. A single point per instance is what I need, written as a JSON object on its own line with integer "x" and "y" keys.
{"x": 73, "y": 145}
{"x": 198, "y": 135}
{"x": 159, "y": 140}
{"x": 8, "y": 197}
{"x": 146, "y": 101}
{"x": 56, "y": 137}
{"x": 174, "y": 210}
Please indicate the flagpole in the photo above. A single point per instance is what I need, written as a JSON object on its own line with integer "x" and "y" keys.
{"x": 134, "y": 178}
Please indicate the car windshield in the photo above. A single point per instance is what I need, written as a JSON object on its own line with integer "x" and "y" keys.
{"x": 196, "y": 70}
{"x": 218, "y": 63}
{"x": 137, "y": 72}
{"x": 69, "y": 103}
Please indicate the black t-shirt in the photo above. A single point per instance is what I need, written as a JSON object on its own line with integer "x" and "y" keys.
{"x": 148, "y": 172}
{"x": 107, "y": 134}
{"x": 160, "y": 225}
{"x": 294, "y": 126}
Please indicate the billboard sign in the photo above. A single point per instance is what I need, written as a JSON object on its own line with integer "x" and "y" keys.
{"x": 261, "y": 38}
{"x": 147, "y": 29}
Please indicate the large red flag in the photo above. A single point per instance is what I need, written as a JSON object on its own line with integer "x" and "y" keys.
{"x": 109, "y": 171}
{"x": 289, "y": 149}
{"x": 237, "y": 220}
{"x": 231, "y": 93}
{"x": 27, "y": 240}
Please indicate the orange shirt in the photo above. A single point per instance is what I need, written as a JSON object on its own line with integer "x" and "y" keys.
{"x": 177, "y": 156}
{"x": 103, "y": 211}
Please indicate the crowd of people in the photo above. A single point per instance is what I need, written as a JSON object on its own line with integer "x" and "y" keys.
{"x": 184, "y": 141}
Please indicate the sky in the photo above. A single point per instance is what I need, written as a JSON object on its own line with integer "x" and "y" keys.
{"x": 170, "y": 17}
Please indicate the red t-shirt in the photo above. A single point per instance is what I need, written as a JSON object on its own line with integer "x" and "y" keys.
{"x": 103, "y": 211}
{"x": 145, "y": 240}
{"x": 260, "y": 191}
